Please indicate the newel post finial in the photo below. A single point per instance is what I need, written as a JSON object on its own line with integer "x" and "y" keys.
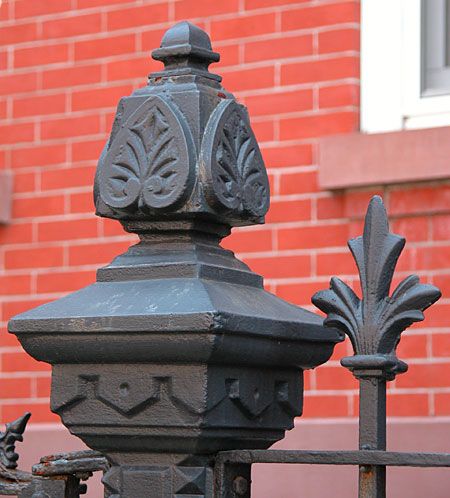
{"x": 177, "y": 351}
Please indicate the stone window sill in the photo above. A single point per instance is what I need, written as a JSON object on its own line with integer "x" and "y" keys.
{"x": 358, "y": 159}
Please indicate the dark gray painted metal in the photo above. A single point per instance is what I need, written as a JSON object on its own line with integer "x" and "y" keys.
{"x": 374, "y": 324}
{"x": 177, "y": 351}
{"x": 359, "y": 457}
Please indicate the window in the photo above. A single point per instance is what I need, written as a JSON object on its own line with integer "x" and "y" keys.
{"x": 405, "y": 64}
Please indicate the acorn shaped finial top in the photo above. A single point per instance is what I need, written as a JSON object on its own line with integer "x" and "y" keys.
{"x": 185, "y": 48}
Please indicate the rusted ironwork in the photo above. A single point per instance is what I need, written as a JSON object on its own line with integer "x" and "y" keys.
{"x": 56, "y": 476}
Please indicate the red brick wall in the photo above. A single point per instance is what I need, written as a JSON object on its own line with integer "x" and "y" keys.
{"x": 295, "y": 64}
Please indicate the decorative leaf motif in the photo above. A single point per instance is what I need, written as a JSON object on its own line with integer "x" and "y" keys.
{"x": 237, "y": 178}
{"x": 148, "y": 165}
{"x": 375, "y": 322}
{"x": 13, "y": 433}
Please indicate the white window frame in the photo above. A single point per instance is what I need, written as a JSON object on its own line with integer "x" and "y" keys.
{"x": 391, "y": 70}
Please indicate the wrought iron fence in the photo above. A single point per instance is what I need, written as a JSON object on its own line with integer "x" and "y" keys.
{"x": 176, "y": 367}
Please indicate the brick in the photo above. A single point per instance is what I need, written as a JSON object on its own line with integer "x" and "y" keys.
{"x": 336, "y": 263}
{"x": 442, "y": 404}
{"x": 287, "y": 155}
{"x": 39, "y": 56}
{"x": 18, "y": 83}
{"x": 71, "y": 26}
{"x": 325, "y": 406}
{"x": 356, "y": 202}
{"x": 67, "y": 230}
{"x": 318, "y": 125}
{"x": 249, "y": 79}
{"x": 281, "y": 266}
{"x": 412, "y": 346}
{"x": 229, "y": 56}
{"x": 39, "y": 105}
{"x": 298, "y": 183}
{"x": 43, "y": 385}
{"x": 407, "y": 405}
{"x": 441, "y": 345}
{"x": 17, "y": 233}
{"x": 420, "y": 200}
{"x": 320, "y": 70}
{"x": 299, "y": 293}
{"x": 3, "y": 59}
{"x": 104, "y": 47}
{"x": 15, "y": 284}
{"x": 413, "y": 229}
{"x": 279, "y": 102}
{"x": 425, "y": 375}
{"x": 321, "y": 15}
{"x": 81, "y": 203}
{"x": 185, "y": 9}
{"x": 151, "y": 38}
{"x": 441, "y": 227}
{"x": 335, "y": 378}
{"x": 257, "y": 4}
{"x": 24, "y": 182}
{"x": 434, "y": 257}
{"x": 38, "y": 156}
{"x": 15, "y": 133}
{"x": 17, "y": 33}
{"x": 41, "y": 412}
{"x": 68, "y": 127}
{"x": 278, "y": 48}
{"x": 71, "y": 76}
{"x": 442, "y": 282}
{"x": 3, "y": 109}
{"x": 287, "y": 210}
{"x": 87, "y": 150}
{"x": 132, "y": 67}
{"x": 99, "y": 253}
{"x": 64, "y": 178}
{"x": 86, "y": 4}
{"x": 243, "y": 26}
{"x": 264, "y": 130}
{"x": 113, "y": 228}
{"x": 64, "y": 281}
{"x": 38, "y": 206}
{"x": 136, "y": 16}
{"x": 32, "y": 9}
{"x": 97, "y": 98}
{"x": 248, "y": 241}
{"x": 41, "y": 257}
{"x": 15, "y": 388}
{"x": 339, "y": 40}
{"x": 339, "y": 96}
{"x": 331, "y": 207}
{"x": 313, "y": 237}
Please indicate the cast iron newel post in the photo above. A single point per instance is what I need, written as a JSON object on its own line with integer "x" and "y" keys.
{"x": 177, "y": 352}
{"x": 374, "y": 325}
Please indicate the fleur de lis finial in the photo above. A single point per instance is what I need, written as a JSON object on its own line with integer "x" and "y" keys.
{"x": 375, "y": 322}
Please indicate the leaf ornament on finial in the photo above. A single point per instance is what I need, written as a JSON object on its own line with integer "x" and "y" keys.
{"x": 375, "y": 322}
{"x": 13, "y": 433}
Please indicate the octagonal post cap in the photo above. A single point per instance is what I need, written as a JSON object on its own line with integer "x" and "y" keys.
{"x": 185, "y": 45}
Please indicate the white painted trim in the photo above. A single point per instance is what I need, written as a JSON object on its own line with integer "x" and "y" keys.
{"x": 391, "y": 70}
{"x": 381, "y": 43}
